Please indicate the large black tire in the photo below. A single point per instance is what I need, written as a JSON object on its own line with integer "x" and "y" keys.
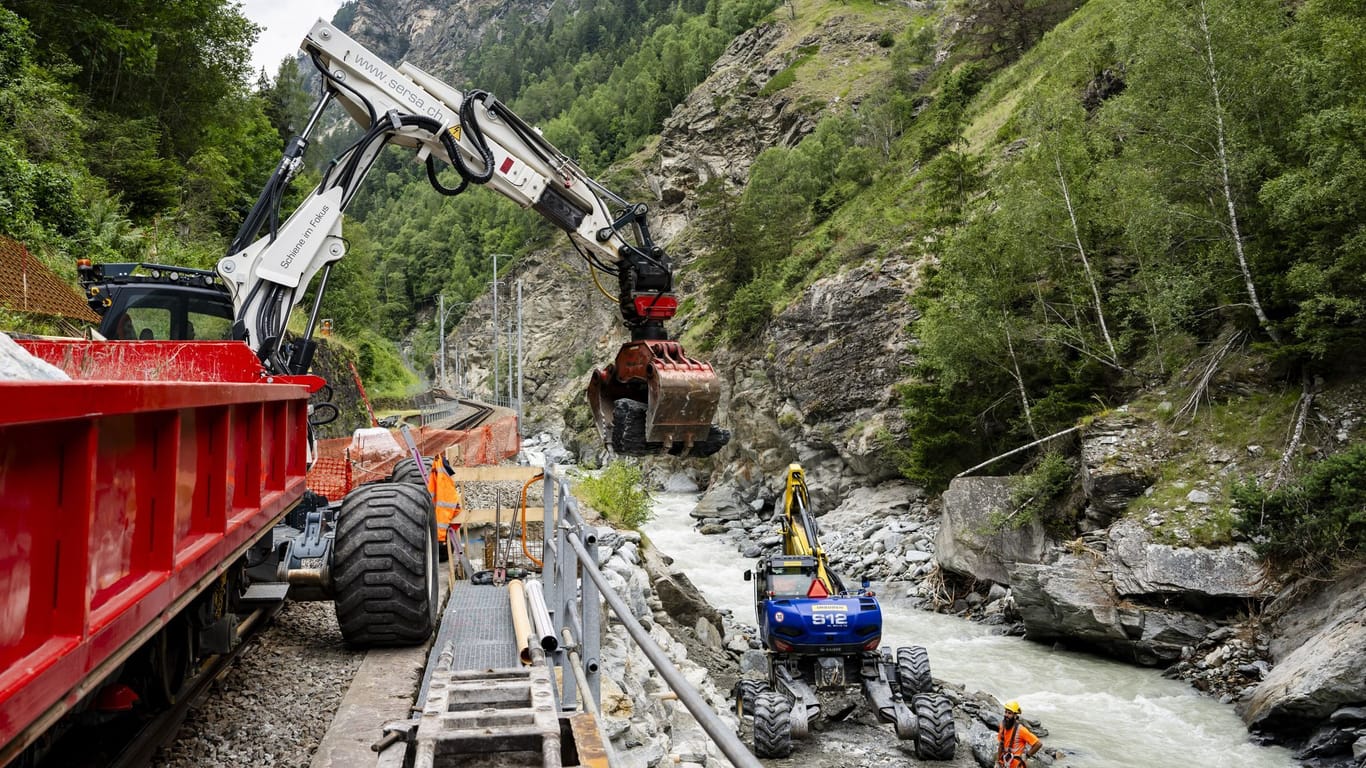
{"x": 772, "y": 727}
{"x": 628, "y": 434}
{"x": 745, "y": 692}
{"x": 384, "y": 568}
{"x": 937, "y": 738}
{"x": 913, "y": 671}
{"x": 406, "y": 471}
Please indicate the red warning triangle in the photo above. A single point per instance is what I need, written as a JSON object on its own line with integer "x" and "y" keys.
{"x": 817, "y": 589}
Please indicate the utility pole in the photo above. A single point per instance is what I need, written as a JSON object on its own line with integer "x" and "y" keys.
{"x": 494, "y": 365}
{"x": 441, "y": 331}
{"x": 511, "y": 312}
{"x": 520, "y": 375}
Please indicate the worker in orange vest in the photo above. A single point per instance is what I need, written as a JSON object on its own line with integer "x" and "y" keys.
{"x": 1014, "y": 742}
{"x": 445, "y": 496}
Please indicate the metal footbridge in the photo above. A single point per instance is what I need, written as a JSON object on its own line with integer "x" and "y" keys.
{"x": 512, "y": 678}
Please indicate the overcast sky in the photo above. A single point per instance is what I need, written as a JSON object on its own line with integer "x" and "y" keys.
{"x": 286, "y": 22}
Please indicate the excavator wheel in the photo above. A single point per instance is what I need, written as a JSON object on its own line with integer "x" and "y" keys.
{"x": 772, "y": 728}
{"x": 937, "y": 737}
{"x": 913, "y": 671}
{"x": 628, "y": 434}
{"x": 745, "y": 692}
{"x": 406, "y": 471}
{"x": 384, "y": 566}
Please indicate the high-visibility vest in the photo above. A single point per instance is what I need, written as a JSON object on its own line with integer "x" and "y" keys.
{"x": 445, "y": 496}
{"x": 1013, "y": 743}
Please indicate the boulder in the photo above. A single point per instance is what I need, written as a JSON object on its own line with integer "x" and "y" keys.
{"x": 683, "y": 602}
{"x": 1072, "y": 598}
{"x": 16, "y": 364}
{"x": 1116, "y": 465}
{"x": 1068, "y": 599}
{"x": 970, "y": 539}
{"x": 1320, "y": 652}
{"x": 720, "y": 502}
{"x": 1141, "y": 566}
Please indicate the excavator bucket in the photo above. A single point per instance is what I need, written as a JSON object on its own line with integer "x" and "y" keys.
{"x": 655, "y": 399}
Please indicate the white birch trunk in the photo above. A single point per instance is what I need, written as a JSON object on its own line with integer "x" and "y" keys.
{"x": 1019, "y": 383}
{"x": 1212, "y": 73}
{"x": 1085, "y": 262}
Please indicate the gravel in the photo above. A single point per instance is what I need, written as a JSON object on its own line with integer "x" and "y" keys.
{"x": 276, "y": 702}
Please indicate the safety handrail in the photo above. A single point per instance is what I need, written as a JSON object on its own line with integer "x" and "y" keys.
{"x": 575, "y": 607}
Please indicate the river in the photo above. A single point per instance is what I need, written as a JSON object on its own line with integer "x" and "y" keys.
{"x": 1111, "y": 715}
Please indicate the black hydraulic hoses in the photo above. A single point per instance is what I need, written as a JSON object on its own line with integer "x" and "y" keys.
{"x": 593, "y": 260}
{"x": 476, "y": 136}
{"x": 436, "y": 183}
{"x": 322, "y": 69}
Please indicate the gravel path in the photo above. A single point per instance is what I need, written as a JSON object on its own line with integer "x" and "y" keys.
{"x": 276, "y": 702}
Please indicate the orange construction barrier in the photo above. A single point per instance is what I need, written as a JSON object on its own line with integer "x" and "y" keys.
{"x": 337, "y": 470}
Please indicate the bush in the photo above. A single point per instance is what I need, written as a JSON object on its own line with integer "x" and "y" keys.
{"x": 1315, "y": 523}
{"x": 619, "y": 494}
{"x": 1036, "y": 495}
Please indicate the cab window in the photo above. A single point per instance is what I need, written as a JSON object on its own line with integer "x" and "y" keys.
{"x": 785, "y": 584}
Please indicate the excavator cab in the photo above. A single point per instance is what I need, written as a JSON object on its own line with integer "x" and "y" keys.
{"x": 154, "y": 302}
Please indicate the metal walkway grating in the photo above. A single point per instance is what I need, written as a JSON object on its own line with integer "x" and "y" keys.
{"x": 479, "y": 615}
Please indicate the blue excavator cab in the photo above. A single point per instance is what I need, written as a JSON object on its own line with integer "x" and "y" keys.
{"x": 798, "y": 615}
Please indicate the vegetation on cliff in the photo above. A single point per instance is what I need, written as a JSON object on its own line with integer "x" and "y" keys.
{"x": 1104, "y": 196}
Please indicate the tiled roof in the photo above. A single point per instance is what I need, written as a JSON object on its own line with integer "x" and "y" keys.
{"x": 26, "y": 285}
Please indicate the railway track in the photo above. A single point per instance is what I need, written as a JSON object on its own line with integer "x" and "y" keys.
{"x": 132, "y": 739}
{"x": 481, "y": 412}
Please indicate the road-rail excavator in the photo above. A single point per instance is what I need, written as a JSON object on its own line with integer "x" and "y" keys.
{"x": 652, "y": 399}
{"x": 820, "y": 637}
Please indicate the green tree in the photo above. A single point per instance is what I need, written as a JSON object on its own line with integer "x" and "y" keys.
{"x": 1202, "y": 112}
{"x": 1317, "y": 201}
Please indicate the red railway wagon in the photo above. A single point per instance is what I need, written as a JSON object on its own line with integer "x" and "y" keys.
{"x": 127, "y": 492}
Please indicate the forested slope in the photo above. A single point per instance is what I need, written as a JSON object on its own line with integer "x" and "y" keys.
{"x": 1068, "y": 204}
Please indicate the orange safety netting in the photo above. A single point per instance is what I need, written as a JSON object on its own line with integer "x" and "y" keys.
{"x": 338, "y": 468}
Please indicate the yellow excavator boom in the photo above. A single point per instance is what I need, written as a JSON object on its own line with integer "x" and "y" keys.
{"x": 800, "y": 534}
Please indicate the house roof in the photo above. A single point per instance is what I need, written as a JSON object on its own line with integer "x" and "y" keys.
{"x": 27, "y": 285}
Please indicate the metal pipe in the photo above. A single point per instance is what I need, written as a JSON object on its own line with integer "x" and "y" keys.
{"x": 521, "y": 626}
{"x": 540, "y": 617}
{"x": 725, "y": 739}
{"x": 574, "y": 625}
{"x": 250, "y": 621}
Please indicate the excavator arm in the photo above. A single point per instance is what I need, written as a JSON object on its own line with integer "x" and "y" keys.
{"x": 652, "y": 399}
{"x": 801, "y": 535}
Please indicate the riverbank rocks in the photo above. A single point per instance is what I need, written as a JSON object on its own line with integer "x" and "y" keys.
{"x": 646, "y": 724}
{"x": 976, "y": 537}
{"x": 1319, "y": 677}
{"x": 1198, "y": 576}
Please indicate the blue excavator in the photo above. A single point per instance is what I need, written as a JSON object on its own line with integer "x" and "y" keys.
{"x": 821, "y": 638}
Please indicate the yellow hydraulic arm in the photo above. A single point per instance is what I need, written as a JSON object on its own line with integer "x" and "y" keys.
{"x": 800, "y": 535}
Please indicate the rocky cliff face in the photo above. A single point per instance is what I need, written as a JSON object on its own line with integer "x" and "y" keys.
{"x": 436, "y": 34}
{"x": 817, "y": 386}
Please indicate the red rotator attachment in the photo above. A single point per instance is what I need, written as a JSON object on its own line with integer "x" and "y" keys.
{"x": 655, "y": 399}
